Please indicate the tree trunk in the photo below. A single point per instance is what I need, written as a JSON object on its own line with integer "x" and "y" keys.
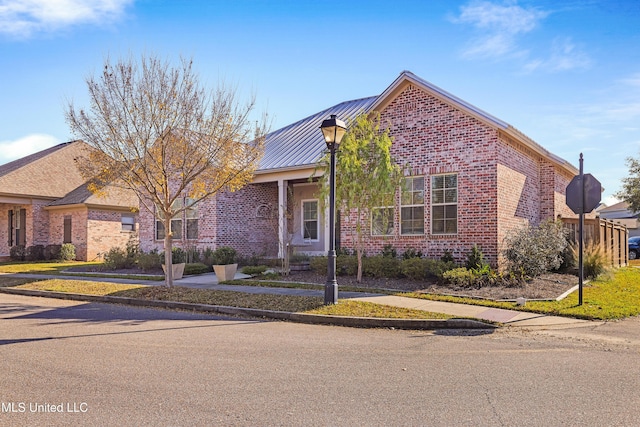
{"x": 359, "y": 256}
{"x": 168, "y": 258}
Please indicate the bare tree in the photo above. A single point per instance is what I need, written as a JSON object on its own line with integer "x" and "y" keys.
{"x": 157, "y": 131}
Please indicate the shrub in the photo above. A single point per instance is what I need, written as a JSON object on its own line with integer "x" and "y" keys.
{"x": 460, "y": 276}
{"x": 536, "y": 250}
{"x": 298, "y": 258}
{"x": 224, "y": 255}
{"x": 192, "y": 255}
{"x": 35, "y": 253}
{"x": 207, "y": 257}
{"x": 132, "y": 249}
{"x": 117, "y": 259}
{"x": 52, "y": 252}
{"x": 254, "y": 270}
{"x": 253, "y": 260}
{"x": 17, "y": 252}
{"x": 150, "y": 261}
{"x": 379, "y": 266}
{"x": 196, "y": 268}
{"x": 388, "y": 251}
{"x": 411, "y": 253}
{"x": 447, "y": 256}
{"x": 178, "y": 256}
{"x": 318, "y": 264}
{"x": 67, "y": 252}
{"x": 475, "y": 259}
{"x": 424, "y": 268}
{"x": 346, "y": 265}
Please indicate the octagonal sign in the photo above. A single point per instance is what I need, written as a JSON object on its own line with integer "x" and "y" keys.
{"x": 592, "y": 193}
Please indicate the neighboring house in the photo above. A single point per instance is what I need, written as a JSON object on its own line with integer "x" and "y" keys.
{"x": 620, "y": 213}
{"x": 44, "y": 200}
{"x": 472, "y": 179}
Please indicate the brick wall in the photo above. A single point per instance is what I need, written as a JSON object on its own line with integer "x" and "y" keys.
{"x": 78, "y": 229}
{"x": 246, "y": 220}
{"x": 241, "y": 219}
{"x": 104, "y": 231}
{"x": 502, "y": 184}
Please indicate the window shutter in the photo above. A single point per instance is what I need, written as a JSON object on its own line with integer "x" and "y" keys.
{"x": 10, "y": 234}
{"x": 23, "y": 227}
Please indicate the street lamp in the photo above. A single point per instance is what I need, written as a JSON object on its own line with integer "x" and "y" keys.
{"x": 333, "y": 130}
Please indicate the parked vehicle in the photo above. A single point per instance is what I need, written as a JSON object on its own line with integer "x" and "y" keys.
{"x": 634, "y": 247}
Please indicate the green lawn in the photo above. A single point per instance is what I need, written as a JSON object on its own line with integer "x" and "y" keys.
{"x": 229, "y": 298}
{"x": 614, "y": 296}
{"x": 42, "y": 267}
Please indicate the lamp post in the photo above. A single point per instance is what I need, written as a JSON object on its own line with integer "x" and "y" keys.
{"x": 333, "y": 130}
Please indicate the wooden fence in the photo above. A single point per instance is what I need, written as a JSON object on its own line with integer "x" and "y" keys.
{"x": 611, "y": 236}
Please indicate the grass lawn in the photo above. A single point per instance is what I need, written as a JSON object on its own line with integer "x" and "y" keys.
{"x": 42, "y": 267}
{"x": 57, "y": 268}
{"x": 613, "y": 296}
{"x": 229, "y": 298}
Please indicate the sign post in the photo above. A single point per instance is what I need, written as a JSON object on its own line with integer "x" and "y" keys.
{"x": 583, "y": 196}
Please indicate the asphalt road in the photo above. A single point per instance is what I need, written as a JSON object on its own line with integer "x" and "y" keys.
{"x": 114, "y": 365}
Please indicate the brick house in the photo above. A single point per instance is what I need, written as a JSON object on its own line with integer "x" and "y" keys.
{"x": 44, "y": 200}
{"x": 473, "y": 178}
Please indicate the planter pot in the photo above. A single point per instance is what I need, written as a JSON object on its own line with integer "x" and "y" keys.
{"x": 176, "y": 269}
{"x": 225, "y": 272}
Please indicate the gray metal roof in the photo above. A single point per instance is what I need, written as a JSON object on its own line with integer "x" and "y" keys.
{"x": 301, "y": 143}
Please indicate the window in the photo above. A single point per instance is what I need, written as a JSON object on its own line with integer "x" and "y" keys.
{"x": 191, "y": 216}
{"x": 310, "y": 223}
{"x": 412, "y": 206}
{"x": 382, "y": 221}
{"x": 17, "y": 227}
{"x": 444, "y": 204}
{"x": 66, "y": 238}
{"x": 128, "y": 222}
{"x": 188, "y": 218}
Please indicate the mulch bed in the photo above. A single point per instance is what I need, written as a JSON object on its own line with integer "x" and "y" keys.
{"x": 547, "y": 286}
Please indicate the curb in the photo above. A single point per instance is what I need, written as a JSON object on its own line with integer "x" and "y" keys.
{"x": 354, "y": 322}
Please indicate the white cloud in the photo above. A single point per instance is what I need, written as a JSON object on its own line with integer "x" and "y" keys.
{"x": 498, "y": 25}
{"x": 564, "y": 56}
{"x": 23, "y": 18}
{"x": 499, "y": 28}
{"x": 11, "y": 150}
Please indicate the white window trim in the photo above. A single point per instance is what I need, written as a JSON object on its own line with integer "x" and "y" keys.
{"x": 302, "y": 202}
{"x": 182, "y": 217}
{"x": 422, "y": 205}
{"x": 132, "y": 223}
{"x": 442, "y": 204}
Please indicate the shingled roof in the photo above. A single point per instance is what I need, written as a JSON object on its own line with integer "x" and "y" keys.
{"x": 110, "y": 196}
{"x": 50, "y": 173}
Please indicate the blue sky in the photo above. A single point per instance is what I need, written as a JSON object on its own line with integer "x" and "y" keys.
{"x": 564, "y": 72}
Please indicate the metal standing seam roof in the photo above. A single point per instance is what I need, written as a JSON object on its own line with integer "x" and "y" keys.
{"x": 301, "y": 143}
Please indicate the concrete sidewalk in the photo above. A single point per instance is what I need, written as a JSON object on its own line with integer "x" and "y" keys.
{"x": 504, "y": 317}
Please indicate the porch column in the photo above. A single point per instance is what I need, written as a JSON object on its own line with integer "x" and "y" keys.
{"x": 282, "y": 217}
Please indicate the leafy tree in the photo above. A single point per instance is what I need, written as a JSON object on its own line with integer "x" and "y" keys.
{"x": 630, "y": 192}
{"x": 367, "y": 176}
{"x": 157, "y": 131}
